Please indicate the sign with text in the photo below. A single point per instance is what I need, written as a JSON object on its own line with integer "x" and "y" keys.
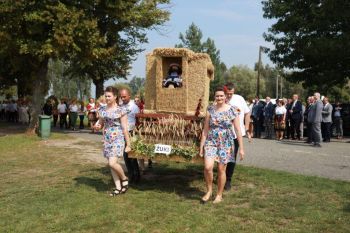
{"x": 162, "y": 149}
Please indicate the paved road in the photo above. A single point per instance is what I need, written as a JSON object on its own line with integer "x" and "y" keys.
{"x": 331, "y": 161}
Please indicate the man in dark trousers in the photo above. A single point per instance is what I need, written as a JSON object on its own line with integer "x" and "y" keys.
{"x": 295, "y": 117}
{"x": 258, "y": 116}
{"x": 268, "y": 117}
{"x": 326, "y": 120}
{"x": 132, "y": 109}
{"x": 310, "y": 102}
{"x": 244, "y": 121}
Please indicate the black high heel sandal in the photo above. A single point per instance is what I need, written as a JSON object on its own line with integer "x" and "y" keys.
{"x": 124, "y": 187}
{"x": 115, "y": 192}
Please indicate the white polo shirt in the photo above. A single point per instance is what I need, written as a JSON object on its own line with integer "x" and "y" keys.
{"x": 239, "y": 102}
{"x": 62, "y": 108}
{"x": 132, "y": 109}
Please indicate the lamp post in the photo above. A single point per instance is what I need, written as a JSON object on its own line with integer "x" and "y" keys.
{"x": 261, "y": 49}
{"x": 276, "y": 86}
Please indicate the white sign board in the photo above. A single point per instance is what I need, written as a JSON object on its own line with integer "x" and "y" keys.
{"x": 162, "y": 149}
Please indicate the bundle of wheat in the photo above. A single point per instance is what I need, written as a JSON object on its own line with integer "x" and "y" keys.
{"x": 172, "y": 130}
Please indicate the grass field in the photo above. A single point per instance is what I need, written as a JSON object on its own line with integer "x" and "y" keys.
{"x": 46, "y": 189}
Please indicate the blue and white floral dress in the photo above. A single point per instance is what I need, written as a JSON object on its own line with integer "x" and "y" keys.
{"x": 114, "y": 142}
{"x": 220, "y": 140}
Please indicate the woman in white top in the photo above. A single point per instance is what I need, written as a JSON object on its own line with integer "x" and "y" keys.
{"x": 280, "y": 119}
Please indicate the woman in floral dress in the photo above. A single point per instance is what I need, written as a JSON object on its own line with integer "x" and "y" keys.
{"x": 113, "y": 119}
{"x": 221, "y": 126}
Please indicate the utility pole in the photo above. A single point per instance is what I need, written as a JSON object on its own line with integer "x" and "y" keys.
{"x": 258, "y": 79}
{"x": 281, "y": 86}
{"x": 261, "y": 49}
{"x": 276, "y": 86}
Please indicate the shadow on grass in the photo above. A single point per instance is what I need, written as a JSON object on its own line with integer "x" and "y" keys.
{"x": 99, "y": 184}
{"x": 347, "y": 207}
{"x": 175, "y": 178}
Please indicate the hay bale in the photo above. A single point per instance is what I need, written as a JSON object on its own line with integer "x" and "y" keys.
{"x": 197, "y": 72}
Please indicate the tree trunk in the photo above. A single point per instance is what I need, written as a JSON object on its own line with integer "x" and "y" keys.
{"x": 99, "y": 87}
{"x": 40, "y": 89}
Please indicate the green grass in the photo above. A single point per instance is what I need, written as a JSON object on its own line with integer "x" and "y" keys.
{"x": 53, "y": 190}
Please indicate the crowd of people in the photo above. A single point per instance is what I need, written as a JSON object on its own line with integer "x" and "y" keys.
{"x": 16, "y": 111}
{"x": 290, "y": 118}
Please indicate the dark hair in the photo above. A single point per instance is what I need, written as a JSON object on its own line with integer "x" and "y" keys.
{"x": 229, "y": 86}
{"x": 112, "y": 89}
{"x": 219, "y": 89}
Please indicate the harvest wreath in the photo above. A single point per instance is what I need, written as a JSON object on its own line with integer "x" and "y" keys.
{"x": 180, "y": 135}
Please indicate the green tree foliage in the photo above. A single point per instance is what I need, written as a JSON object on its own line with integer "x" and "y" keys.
{"x": 32, "y": 32}
{"x": 122, "y": 25}
{"x": 192, "y": 39}
{"x": 63, "y": 85}
{"x": 311, "y": 38}
{"x": 244, "y": 79}
{"x": 100, "y": 38}
{"x": 137, "y": 85}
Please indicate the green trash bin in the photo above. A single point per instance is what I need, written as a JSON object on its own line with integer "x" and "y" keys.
{"x": 44, "y": 126}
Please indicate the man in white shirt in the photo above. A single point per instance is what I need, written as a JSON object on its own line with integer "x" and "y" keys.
{"x": 244, "y": 118}
{"x": 132, "y": 110}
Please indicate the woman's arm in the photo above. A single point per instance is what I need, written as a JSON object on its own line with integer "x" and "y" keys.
{"x": 124, "y": 123}
{"x": 237, "y": 127}
{"x": 204, "y": 134}
{"x": 99, "y": 124}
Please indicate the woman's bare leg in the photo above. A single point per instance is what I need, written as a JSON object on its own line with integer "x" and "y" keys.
{"x": 208, "y": 175}
{"x": 116, "y": 180}
{"x": 221, "y": 181}
{"x": 113, "y": 164}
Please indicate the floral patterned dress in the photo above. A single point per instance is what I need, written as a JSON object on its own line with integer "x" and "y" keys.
{"x": 220, "y": 140}
{"x": 113, "y": 136}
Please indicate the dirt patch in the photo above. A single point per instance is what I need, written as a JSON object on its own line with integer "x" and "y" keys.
{"x": 85, "y": 149}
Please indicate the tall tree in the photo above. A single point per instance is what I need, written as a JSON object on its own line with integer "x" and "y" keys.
{"x": 193, "y": 40}
{"x": 63, "y": 85}
{"x": 32, "y": 32}
{"x": 136, "y": 84}
{"x": 244, "y": 79}
{"x": 123, "y": 26}
{"x": 311, "y": 38}
{"x": 102, "y": 37}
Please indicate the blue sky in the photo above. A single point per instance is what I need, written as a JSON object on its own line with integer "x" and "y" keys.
{"x": 235, "y": 25}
